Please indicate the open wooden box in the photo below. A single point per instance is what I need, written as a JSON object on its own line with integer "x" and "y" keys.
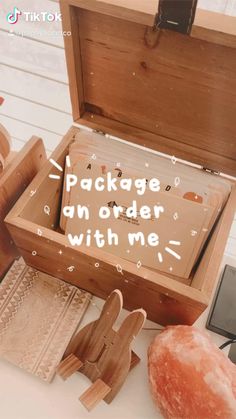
{"x": 167, "y": 91}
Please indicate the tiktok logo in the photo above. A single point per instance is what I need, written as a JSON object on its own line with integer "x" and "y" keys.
{"x": 12, "y": 18}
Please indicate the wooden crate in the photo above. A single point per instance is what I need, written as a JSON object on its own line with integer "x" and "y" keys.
{"x": 19, "y": 171}
{"x": 170, "y": 92}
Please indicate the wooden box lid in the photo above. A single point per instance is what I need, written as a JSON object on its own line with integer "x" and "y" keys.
{"x": 168, "y": 91}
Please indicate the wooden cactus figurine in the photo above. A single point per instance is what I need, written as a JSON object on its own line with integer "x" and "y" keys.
{"x": 103, "y": 354}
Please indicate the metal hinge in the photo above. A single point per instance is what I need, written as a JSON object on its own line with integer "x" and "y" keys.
{"x": 98, "y": 131}
{"x": 211, "y": 171}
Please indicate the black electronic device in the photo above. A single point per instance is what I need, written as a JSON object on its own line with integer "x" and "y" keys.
{"x": 222, "y": 316}
{"x": 232, "y": 353}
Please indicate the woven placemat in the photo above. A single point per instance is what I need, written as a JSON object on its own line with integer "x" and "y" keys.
{"x": 38, "y": 316}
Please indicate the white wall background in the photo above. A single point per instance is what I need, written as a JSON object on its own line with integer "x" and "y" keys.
{"x": 228, "y": 7}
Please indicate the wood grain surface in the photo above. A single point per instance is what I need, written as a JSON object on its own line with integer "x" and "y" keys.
{"x": 13, "y": 182}
{"x": 166, "y": 300}
{"x": 36, "y": 53}
{"x": 186, "y": 86}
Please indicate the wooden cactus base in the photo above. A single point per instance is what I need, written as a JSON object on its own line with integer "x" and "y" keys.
{"x": 103, "y": 354}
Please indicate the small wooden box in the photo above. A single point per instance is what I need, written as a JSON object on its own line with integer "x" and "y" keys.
{"x": 170, "y": 92}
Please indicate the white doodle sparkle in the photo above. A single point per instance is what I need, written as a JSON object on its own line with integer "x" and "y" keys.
{"x": 55, "y": 164}
{"x": 177, "y": 181}
{"x": 119, "y": 269}
{"x": 170, "y": 251}
{"x": 56, "y": 177}
{"x": 71, "y": 268}
{"x": 176, "y": 216}
{"x": 58, "y": 167}
{"x": 68, "y": 163}
{"x": 139, "y": 264}
{"x": 32, "y": 193}
{"x": 173, "y": 159}
{"x": 174, "y": 243}
{"x": 47, "y": 209}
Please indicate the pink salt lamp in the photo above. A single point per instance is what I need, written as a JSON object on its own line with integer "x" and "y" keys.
{"x": 191, "y": 377}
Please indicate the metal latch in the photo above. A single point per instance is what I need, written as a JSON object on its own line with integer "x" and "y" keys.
{"x": 98, "y": 131}
{"x": 176, "y": 15}
{"x": 211, "y": 171}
